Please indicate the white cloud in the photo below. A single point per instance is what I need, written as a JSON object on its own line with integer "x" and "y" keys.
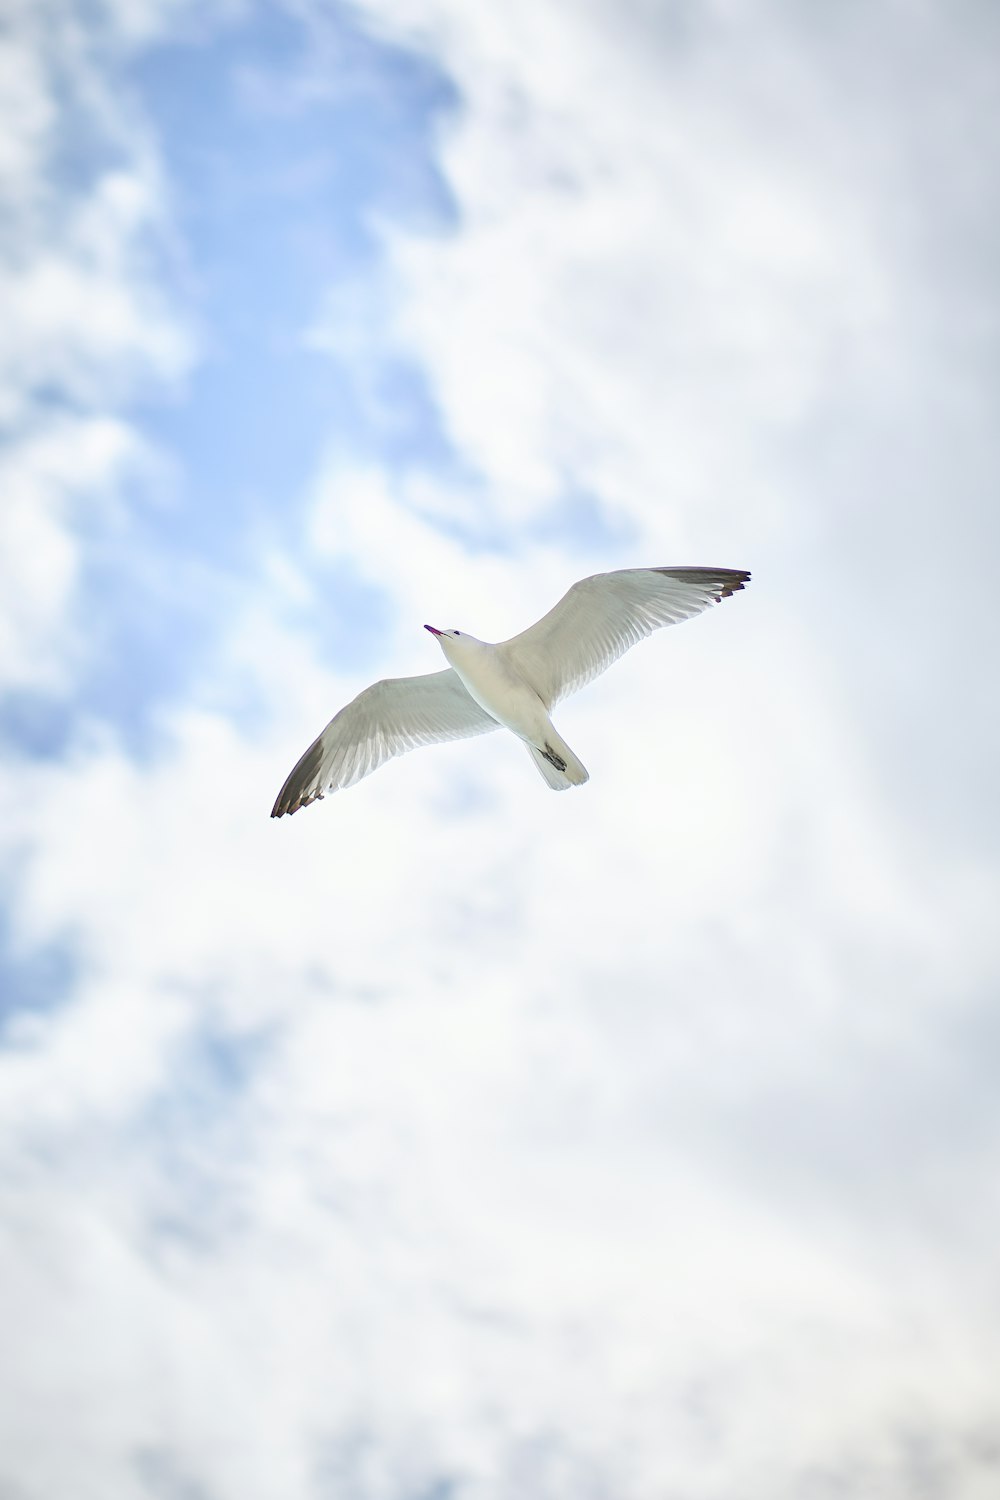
{"x": 87, "y": 320}
{"x": 627, "y": 1143}
{"x": 481, "y": 1201}
{"x": 31, "y": 118}
{"x": 87, "y": 325}
{"x": 62, "y": 475}
{"x": 649, "y": 260}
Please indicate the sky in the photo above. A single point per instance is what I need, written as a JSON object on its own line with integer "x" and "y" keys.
{"x": 452, "y": 1140}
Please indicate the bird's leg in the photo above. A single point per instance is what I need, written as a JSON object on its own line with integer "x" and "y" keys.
{"x": 553, "y": 758}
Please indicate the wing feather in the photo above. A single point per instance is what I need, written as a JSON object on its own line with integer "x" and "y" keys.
{"x": 601, "y": 617}
{"x": 387, "y": 719}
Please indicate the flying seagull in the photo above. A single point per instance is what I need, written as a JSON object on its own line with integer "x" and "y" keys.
{"x": 511, "y": 684}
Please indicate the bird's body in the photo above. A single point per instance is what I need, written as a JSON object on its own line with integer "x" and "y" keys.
{"x": 490, "y": 677}
{"x": 511, "y": 684}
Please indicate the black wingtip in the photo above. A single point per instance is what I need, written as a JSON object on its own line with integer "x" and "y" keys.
{"x": 734, "y": 584}
{"x": 285, "y": 806}
{"x": 720, "y": 582}
{"x": 294, "y": 793}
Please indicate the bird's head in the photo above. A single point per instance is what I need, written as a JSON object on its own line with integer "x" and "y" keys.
{"x": 456, "y": 644}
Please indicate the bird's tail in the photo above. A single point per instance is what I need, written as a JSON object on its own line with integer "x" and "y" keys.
{"x": 557, "y": 763}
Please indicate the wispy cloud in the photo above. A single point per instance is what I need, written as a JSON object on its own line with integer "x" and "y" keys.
{"x": 88, "y": 326}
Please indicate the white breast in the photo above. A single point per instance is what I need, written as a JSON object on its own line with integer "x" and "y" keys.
{"x": 496, "y": 687}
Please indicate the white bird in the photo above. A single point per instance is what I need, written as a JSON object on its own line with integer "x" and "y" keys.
{"x": 511, "y": 684}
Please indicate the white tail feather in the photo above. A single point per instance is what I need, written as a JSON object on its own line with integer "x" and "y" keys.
{"x": 559, "y": 779}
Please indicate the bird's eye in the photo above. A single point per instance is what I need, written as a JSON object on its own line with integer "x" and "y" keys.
{"x": 458, "y": 632}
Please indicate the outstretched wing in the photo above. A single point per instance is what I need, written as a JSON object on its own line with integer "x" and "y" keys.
{"x": 599, "y": 618}
{"x": 387, "y": 719}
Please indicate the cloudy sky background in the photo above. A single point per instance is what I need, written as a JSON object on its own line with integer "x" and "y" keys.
{"x": 452, "y": 1140}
